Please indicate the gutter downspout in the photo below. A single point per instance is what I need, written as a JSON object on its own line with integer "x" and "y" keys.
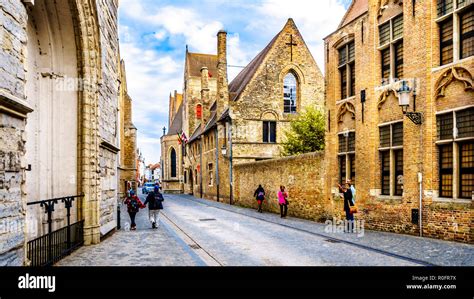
{"x": 200, "y": 167}
{"x": 231, "y": 185}
{"x": 216, "y": 134}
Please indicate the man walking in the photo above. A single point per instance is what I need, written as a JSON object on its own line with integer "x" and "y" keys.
{"x": 154, "y": 201}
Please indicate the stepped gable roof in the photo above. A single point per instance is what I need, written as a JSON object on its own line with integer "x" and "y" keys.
{"x": 357, "y": 8}
{"x": 177, "y": 124}
{"x": 243, "y": 78}
{"x": 195, "y": 61}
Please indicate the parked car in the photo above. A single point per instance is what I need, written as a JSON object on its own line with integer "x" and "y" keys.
{"x": 148, "y": 187}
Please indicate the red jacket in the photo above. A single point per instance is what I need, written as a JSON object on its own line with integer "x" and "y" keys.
{"x": 128, "y": 202}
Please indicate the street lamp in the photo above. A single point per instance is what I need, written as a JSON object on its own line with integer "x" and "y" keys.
{"x": 404, "y": 103}
{"x": 404, "y": 96}
{"x": 224, "y": 150}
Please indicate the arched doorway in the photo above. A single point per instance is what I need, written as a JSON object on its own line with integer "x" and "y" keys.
{"x": 52, "y": 128}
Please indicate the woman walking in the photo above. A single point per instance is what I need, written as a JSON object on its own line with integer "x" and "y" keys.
{"x": 283, "y": 201}
{"x": 260, "y": 196}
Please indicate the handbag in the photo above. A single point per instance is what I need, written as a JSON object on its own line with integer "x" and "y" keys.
{"x": 353, "y": 209}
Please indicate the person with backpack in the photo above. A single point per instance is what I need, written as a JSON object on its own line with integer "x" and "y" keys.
{"x": 283, "y": 201}
{"x": 154, "y": 201}
{"x": 259, "y": 194}
{"x": 133, "y": 207}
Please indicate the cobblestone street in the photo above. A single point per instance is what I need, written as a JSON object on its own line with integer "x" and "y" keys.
{"x": 200, "y": 232}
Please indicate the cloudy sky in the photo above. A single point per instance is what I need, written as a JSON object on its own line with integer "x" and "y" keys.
{"x": 154, "y": 35}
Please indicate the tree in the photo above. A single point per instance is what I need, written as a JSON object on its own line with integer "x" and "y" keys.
{"x": 306, "y": 133}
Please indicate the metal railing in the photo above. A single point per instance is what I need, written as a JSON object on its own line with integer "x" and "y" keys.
{"x": 53, "y": 246}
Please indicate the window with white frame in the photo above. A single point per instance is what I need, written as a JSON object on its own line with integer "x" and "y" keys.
{"x": 455, "y": 20}
{"x": 346, "y": 157}
{"x": 455, "y": 130}
{"x": 391, "y": 49}
{"x": 391, "y": 158}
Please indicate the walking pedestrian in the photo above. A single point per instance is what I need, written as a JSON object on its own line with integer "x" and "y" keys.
{"x": 348, "y": 203}
{"x": 133, "y": 207}
{"x": 283, "y": 201}
{"x": 155, "y": 204}
{"x": 259, "y": 194}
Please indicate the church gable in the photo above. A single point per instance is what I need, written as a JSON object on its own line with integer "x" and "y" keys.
{"x": 260, "y": 87}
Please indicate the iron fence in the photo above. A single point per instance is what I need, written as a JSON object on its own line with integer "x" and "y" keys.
{"x": 55, "y": 245}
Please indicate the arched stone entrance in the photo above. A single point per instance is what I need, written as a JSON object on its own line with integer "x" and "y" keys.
{"x": 64, "y": 67}
{"x": 52, "y": 128}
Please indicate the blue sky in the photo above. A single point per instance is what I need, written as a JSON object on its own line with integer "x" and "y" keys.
{"x": 154, "y": 35}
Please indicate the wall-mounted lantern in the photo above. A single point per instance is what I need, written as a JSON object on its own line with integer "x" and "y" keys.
{"x": 404, "y": 94}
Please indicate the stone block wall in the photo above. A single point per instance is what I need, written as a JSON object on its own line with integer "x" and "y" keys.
{"x": 304, "y": 179}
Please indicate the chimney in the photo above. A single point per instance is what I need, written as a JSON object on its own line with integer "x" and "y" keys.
{"x": 222, "y": 84}
{"x": 205, "y": 95}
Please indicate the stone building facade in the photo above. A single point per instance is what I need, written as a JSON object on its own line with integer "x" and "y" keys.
{"x": 228, "y": 124}
{"x": 59, "y": 91}
{"x": 403, "y": 169}
{"x": 128, "y": 138}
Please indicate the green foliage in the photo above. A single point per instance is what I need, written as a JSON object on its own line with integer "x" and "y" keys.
{"x": 306, "y": 133}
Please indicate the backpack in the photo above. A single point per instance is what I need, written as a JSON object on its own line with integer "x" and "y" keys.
{"x": 134, "y": 205}
{"x": 260, "y": 195}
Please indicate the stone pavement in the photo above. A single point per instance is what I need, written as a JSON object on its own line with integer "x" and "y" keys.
{"x": 436, "y": 252}
{"x": 143, "y": 247}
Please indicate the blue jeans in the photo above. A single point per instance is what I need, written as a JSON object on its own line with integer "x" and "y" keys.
{"x": 350, "y": 221}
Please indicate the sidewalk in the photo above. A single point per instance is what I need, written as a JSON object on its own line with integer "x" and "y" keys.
{"x": 436, "y": 252}
{"x": 143, "y": 247}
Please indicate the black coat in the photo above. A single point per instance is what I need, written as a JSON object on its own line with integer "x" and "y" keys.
{"x": 154, "y": 201}
{"x": 348, "y": 200}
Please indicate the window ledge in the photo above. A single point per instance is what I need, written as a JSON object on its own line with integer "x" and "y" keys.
{"x": 453, "y": 200}
{"x": 390, "y": 198}
{"x": 449, "y": 65}
{"x": 345, "y": 100}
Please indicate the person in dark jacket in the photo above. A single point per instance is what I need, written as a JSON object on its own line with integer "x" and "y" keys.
{"x": 133, "y": 207}
{"x": 154, "y": 201}
{"x": 348, "y": 202}
{"x": 259, "y": 194}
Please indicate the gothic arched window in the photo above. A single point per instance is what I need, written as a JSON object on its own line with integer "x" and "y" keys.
{"x": 289, "y": 93}
{"x": 173, "y": 162}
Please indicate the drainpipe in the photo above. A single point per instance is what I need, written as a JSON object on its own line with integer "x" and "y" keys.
{"x": 200, "y": 167}
{"x": 420, "y": 220}
{"x": 216, "y": 134}
{"x": 420, "y": 182}
{"x": 230, "y": 164}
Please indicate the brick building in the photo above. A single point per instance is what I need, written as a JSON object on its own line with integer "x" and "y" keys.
{"x": 59, "y": 85}
{"x": 414, "y": 161}
{"x": 228, "y": 124}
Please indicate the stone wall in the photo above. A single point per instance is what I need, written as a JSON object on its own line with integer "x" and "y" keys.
{"x": 97, "y": 117}
{"x": 304, "y": 179}
{"x": 13, "y": 111}
{"x": 108, "y": 111}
